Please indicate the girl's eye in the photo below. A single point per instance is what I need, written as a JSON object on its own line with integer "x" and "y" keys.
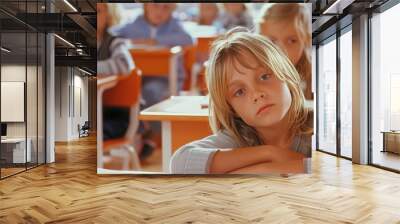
{"x": 239, "y": 92}
{"x": 292, "y": 41}
{"x": 264, "y": 77}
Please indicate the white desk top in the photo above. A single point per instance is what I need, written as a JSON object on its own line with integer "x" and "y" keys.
{"x": 196, "y": 30}
{"x": 178, "y": 108}
{"x": 13, "y": 140}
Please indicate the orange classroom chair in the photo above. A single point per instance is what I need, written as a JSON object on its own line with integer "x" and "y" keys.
{"x": 159, "y": 61}
{"x": 202, "y": 48}
{"x": 125, "y": 93}
{"x": 189, "y": 60}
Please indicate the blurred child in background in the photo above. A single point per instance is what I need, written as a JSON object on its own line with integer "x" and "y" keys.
{"x": 157, "y": 27}
{"x": 236, "y": 14}
{"x": 113, "y": 58}
{"x": 208, "y": 14}
{"x": 288, "y": 25}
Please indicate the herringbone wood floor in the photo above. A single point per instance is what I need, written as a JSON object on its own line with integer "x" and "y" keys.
{"x": 69, "y": 191}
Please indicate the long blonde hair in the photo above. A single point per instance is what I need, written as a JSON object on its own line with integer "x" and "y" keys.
{"x": 299, "y": 14}
{"x": 230, "y": 47}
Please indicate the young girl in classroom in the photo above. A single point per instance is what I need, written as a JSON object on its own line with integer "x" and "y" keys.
{"x": 257, "y": 112}
{"x": 294, "y": 39}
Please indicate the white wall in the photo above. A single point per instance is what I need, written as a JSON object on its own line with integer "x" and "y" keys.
{"x": 61, "y": 103}
{"x": 70, "y": 83}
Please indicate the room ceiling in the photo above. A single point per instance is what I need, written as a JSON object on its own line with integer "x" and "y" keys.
{"x": 77, "y": 27}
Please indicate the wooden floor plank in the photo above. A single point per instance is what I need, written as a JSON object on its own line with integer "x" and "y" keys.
{"x": 70, "y": 191}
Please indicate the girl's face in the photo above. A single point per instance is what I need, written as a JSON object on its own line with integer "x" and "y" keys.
{"x": 285, "y": 35}
{"x": 257, "y": 96}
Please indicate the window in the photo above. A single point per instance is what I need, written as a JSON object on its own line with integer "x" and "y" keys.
{"x": 346, "y": 94}
{"x": 385, "y": 87}
{"x": 327, "y": 96}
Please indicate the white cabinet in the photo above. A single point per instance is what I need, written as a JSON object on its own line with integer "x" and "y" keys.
{"x": 17, "y": 147}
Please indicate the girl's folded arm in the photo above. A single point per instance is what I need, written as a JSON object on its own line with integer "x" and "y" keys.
{"x": 217, "y": 154}
{"x": 228, "y": 160}
{"x": 290, "y": 166}
{"x": 202, "y": 158}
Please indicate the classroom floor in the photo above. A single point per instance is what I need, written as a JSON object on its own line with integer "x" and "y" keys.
{"x": 154, "y": 162}
{"x": 10, "y": 171}
{"x": 70, "y": 191}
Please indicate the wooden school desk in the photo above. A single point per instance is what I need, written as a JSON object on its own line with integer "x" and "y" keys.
{"x": 182, "y": 120}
